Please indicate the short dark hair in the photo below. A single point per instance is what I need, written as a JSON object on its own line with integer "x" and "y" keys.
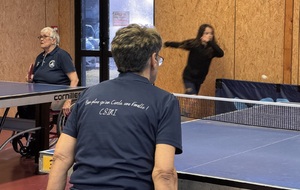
{"x": 133, "y": 46}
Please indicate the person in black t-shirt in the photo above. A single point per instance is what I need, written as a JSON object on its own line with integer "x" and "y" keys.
{"x": 202, "y": 50}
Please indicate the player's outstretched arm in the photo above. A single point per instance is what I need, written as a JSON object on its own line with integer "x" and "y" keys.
{"x": 172, "y": 44}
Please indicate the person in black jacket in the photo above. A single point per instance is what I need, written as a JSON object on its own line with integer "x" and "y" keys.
{"x": 202, "y": 50}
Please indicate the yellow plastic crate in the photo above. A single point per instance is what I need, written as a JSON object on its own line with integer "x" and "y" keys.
{"x": 45, "y": 160}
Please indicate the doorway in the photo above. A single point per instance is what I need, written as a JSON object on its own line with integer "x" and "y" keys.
{"x": 96, "y": 22}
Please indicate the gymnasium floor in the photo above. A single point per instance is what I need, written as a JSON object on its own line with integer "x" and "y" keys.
{"x": 16, "y": 172}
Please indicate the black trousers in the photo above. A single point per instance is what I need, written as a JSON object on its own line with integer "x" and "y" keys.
{"x": 192, "y": 87}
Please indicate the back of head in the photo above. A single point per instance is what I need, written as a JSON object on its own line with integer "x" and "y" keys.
{"x": 133, "y": 46}
{"x": 52, "y": 33}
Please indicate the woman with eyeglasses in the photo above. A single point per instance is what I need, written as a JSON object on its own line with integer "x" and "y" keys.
{"x": 52, "y": 66}
{"x": 202, "y": 50}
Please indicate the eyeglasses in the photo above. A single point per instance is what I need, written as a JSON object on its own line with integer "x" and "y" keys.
{"x": 160, "y": 60}
{"x": 42, "y": 37}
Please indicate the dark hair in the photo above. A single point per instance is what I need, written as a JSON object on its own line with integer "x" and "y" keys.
{"x": 133, "y": 46}
{"x": 202, "y": 29}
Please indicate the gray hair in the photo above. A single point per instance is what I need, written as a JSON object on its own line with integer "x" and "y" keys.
{"x": 53, "y": 34}
{"x": 133, "y": 46}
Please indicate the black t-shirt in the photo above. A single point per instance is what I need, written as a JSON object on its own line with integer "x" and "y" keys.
{"x": 199, "y": 58}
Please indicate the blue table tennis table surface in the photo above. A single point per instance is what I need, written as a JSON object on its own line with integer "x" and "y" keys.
{"x": 18, "y": 93}
{"x": 254, "y": 155}
{"x": 19, "y": 88}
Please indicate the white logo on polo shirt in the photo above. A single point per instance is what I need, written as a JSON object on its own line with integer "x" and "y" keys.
{"x": 52, "y": 63}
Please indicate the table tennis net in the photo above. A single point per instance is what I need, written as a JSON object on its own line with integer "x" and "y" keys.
{"x": 247, "y": 112}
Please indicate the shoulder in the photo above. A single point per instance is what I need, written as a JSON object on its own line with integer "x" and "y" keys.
{"x": 61, "y": 51}
{"x": 40, "y": 55}
{"x": 163, "y": 95}
{"x": 61, "y": 54}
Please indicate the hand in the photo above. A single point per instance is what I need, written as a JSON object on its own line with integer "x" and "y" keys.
{"x": 167, "y": 44}
{"x": 67, "y": 107}
{"x": 29, "y": 78}
{"x": 205, "y": 39}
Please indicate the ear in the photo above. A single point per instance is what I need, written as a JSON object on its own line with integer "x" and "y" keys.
{"x": 53, "y": 41}
{"x": 153, "y": 61}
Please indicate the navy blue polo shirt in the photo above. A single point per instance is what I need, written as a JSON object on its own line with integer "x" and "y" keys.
{"x": 117, "y": 124}
{"x": 53, "y": 68}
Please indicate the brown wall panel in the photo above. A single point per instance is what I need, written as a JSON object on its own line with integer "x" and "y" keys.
{"x": 20, "y": 23}
{"x": 295, "y": 44}
{"x": 66, "y": 26}
{"x": 287, "y": 44}
{"x": 52, "y": 13}
{"x": 179, "y": 20}
{"x": 259, "y": 40}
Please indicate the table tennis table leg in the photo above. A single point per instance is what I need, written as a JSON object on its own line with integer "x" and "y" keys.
{"x": 42, "y": 136}
{"x": 3, "y": 118}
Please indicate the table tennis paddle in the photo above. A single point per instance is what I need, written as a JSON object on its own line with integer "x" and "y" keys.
{"x": 30, "y": 72}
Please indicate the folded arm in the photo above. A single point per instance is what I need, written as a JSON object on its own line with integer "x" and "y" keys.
{"x": 218, "y": 51}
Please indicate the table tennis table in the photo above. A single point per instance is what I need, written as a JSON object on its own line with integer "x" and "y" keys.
{"x": 18, "y": 94}
{"x": 240, "y": 156}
